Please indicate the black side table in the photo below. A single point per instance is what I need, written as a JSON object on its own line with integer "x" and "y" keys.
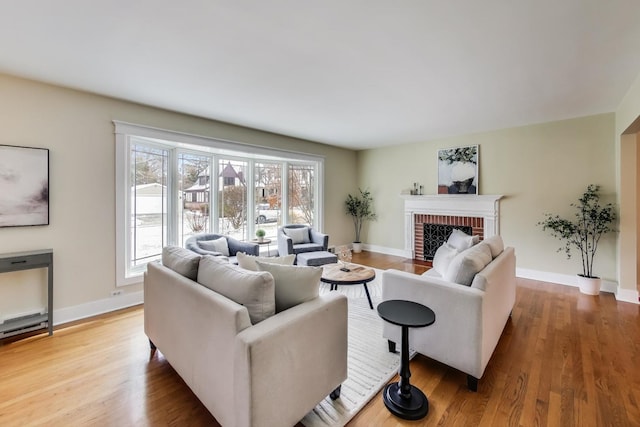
{"x": 401, "y": 398}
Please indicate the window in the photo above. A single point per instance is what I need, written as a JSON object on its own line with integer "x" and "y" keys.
{"x": 232, "y": 199}
{"x": 301, "y": 194}
{"x": 193, "y": 195}
{"x": 268, "y": 197}
{"x": 165, "y": 192}
{"x": 148, "y": 226}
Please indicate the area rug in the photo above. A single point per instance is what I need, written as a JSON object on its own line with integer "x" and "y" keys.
{"x": 370, "y": 365}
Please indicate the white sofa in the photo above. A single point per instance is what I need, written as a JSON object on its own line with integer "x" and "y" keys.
{"x": 270, "y": 373}
{"x": 469, "y": 319}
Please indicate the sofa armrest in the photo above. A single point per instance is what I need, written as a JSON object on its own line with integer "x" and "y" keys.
{"x": 296, "y": 357}
{"x": 236, "y": 246}
{"x": 319, "y": 238}
{"x": 285, "y": 244}
{"x": 188, "y": 322}
{"x": 456, "y": 336}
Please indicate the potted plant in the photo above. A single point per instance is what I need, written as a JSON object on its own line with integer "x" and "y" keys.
{"x": 360, "y": 207}
{"x": 260, "y": 233}
{"x": 592, "y": 220}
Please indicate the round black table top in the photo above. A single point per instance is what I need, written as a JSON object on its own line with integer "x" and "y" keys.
{"x": 406, "y": 313}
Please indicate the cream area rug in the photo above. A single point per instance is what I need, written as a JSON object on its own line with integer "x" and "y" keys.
{"x": 370, "y": 365}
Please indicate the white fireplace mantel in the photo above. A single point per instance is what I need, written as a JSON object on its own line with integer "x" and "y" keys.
{"x": 479, "y": 206}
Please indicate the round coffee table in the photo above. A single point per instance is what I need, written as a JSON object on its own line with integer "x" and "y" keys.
{"x": 335, "y": 276}
{"x": 401, "y": 398}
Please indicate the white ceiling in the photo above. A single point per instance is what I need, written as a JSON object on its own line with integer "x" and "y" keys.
{"x": 358, "y": 74}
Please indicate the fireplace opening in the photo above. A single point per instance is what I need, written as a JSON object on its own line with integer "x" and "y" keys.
{"x": 434, "y": 235}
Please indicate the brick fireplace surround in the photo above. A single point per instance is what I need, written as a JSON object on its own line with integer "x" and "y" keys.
{"x": 481, "y": 212}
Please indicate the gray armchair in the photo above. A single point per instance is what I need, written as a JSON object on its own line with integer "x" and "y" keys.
{"x": 200, "y": 243}
{"x": 298, "y": 238}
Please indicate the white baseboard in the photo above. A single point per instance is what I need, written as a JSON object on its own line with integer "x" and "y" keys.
{"x": 93, "y": 308}
{"x": 562, "y": 279}
{"x": 626, "y": 295}
{"x": 387, "y": 251}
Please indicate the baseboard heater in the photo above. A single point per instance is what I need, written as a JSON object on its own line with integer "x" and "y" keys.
{"x": 22, "y": 324}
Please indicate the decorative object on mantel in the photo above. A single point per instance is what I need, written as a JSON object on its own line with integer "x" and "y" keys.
{"x": 417, "y": 189}
{"x": 360, "y": 207}
{"x": 458, "y": 170}
{"x": 24, "y": 186}
{"x": 592, "y": 220}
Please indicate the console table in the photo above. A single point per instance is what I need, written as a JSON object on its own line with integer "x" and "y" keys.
{"x": 18, "y": 261}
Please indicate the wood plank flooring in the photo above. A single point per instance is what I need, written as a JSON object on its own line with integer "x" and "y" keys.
{"x": 564, "y": 359}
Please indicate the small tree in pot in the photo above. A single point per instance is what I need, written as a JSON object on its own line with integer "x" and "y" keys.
{"x": 360, "y": 207}
{"x": 592, "y": 220}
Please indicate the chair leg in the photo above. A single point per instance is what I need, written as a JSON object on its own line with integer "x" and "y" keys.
{"x": 335, "y": 393}
{"x": 392, "y": 346}
{"x": 472, "y": 383}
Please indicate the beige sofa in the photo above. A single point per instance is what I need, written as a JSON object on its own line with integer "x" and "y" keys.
{"x": 469, "y": 319}
{"x": 270, "y": 373}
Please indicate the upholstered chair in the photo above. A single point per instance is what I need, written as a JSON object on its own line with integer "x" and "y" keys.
{"x": 210, "y": 244}
{"x": 298, "y": 238}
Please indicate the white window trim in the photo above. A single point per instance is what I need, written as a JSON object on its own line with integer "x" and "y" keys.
{"x": 249, "y": 152}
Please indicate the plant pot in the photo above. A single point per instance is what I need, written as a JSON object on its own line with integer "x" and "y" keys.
{"x": 260, "y": 239}
{"x": 357, "y": 247}
{"x": 589, "y": 285}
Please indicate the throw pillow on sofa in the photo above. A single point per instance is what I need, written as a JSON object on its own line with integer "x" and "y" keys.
{"x": 461, "y": 240}
{"x": 253, "y": 289}
{"x": 293, "y": 284}
{"x": 467, "y": 264}
{"x": 248, "y": 262}
{"x": 181, "y": 260}
{"x": 216, "y": 245}
{"x": 496, "y": 245}
{"x": 443, "y": 257}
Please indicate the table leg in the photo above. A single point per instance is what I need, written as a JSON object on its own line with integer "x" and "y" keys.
{"x": 401, "y": 398}
{"x": 368, "y": 296}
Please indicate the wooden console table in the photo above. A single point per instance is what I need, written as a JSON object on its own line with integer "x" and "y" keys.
{"x": 18, "y": 261}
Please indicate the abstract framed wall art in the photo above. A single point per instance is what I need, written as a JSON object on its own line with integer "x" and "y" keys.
{"x": 24, "y": 186}
{"x": 458, "y": 170}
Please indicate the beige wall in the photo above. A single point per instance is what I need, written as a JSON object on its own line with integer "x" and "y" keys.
{"x": 627, "y": 127}
{"x": 539, "y": 168}
{"x": 77, "y": 128}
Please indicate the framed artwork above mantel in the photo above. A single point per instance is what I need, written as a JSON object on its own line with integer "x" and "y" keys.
{"x": 458, "y": 170}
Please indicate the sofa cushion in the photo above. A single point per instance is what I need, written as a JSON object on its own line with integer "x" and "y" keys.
{"x": 248, "y": 262}
{"x": 467, "y": 264}
{"x": 496, "y": 245}
{"x": 298, "y": 235}
{"x": 216, "y": 245}
{"x": 461, "y": 240}
{"x": 294, "y": 284}
{"x": 252, "y": 289}
{"x": 181, "y": 260}
{"x": 443, "y": 257}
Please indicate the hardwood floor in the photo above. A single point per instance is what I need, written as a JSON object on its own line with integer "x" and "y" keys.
{"x": 564, "y": 359}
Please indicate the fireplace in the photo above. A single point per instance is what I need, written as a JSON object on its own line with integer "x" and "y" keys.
{"x": 479, "y": 213}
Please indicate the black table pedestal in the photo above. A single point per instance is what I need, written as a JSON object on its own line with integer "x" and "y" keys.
{"x": 414, "y": 408}
{"x": 402, "y": 399}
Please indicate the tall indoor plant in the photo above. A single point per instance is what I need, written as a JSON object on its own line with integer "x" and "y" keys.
{"x": 360, "y": 207}
{"x": 591, "y": 222}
